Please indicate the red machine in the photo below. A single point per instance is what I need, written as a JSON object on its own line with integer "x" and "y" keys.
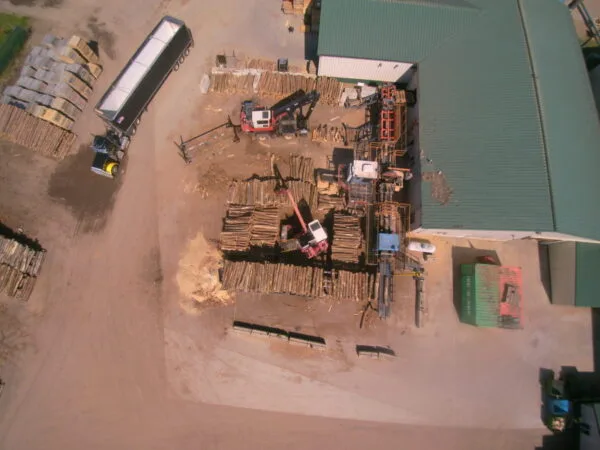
{"x": 280, "y": 117}
{"x": 313, "y": 240}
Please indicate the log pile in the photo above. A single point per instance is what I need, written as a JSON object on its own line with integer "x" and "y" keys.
{"x": 261, "y": 64}
{"x": 19, "y": 268}
{"x": 347, "y": 245}
{"x": 328, "y": 202}
{"x": 301, "y": 168}
{"x": 273, "y": 278}
{"x": 356, "y": 286}
{"x": 232, "y": 82}
{"x": 264, "y": 229}
{"x": 22, "y": 128}
{"x": 262, "y": 193}
{"x": 325, "y": 133}
{"x": 235, "y": 236}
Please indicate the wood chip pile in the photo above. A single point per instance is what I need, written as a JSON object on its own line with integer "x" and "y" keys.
{"x": 325, "y": 133}
{"x": 347, "y": 245}
{"x": 244, "y": 226}
{"x": 327, "y": 202}
{"x": 273, "y": 278}
{"x": 301, "y": 168}
{"x": 22, "y": 128}
{"x": 262, "y": 193}
{"x": 19, "y": 268}
{"x": 357, "y": 286}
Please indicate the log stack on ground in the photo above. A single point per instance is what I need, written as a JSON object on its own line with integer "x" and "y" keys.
{"x": 347, "y": 245}
{"x": 301, "y": 168}
{"x": 273, "y": 278}
{"x": 235, "y": 236}
{"x": 19, "y": 267}
{"x": 232, "y": 82}
{"x": 325, "y": 133}
{"x": 264, "y": 229}
{"x": 22, "y": 128}
{"x": 328, "y": 202}
{"x": 262, "y": 193}
{"x": 356, "y": 286}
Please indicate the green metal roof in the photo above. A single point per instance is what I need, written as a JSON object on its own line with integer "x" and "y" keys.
{"x": 390, "y": 30}
{"x": 480, "y": 295}
{"x": 587, "y": 282}
{"x": 507, "y": 120}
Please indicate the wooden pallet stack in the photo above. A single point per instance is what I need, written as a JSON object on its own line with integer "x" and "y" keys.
{"x": 325, "y": 133}
{"x": 264, "y": 229}
{"x": 231, "y": 82}
{"x": 19, "y": 268}
{"x": 262, "y": 193}
{"x": 328, "y": 202}
{"x": 301, "y": 168}
{"x": 347, "y": 244}
{"x": 267, "y": 278}
{"x": 356, "y": 286}
{"x": 21, "y": 128}
{"x": 235, "y": 236}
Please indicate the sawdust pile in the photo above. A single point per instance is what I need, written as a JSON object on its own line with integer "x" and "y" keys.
{"x": 198, "y": 277}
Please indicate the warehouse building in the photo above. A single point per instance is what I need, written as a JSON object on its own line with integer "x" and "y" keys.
{"x": 505, "y": 127}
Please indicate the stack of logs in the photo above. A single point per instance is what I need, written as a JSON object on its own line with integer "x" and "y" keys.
{"x": 262, "y": 193}
{"x": 244, "y": 226}
{"x": 22, "y": 128}
{"x": 273, "y": 278}
{"x": 347, "y": 245}
{"x": 325, "y": 133}
{"x": 301, "y": 168}
{"x": 357, "y": 286}
{"x": 328, "y": 202}
{"x": 19, "y": 268}
{"x": 232, "y": 82}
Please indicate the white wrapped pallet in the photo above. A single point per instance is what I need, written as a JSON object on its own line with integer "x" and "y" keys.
{"x": 27, "y": 71}
{"x": 82, "y": 72}
{"x": 32, "y": 84}
{"x": 63, "y": 90}
{"x": 65, "y": 107}
{"x": 51, "y": 41}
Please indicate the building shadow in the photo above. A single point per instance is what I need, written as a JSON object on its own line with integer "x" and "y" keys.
{"x": 466, "y": 255}
{"x": 562, "y": 441}
{"x": 311, "y": 40}
{"x": 544, "y": 258}
{"x": 595, "y": 312}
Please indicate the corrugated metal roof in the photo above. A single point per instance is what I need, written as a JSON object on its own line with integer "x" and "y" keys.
{"x": 392, "y": 30}
{"x": 480, "y": 295}
{"x": 587, "y": 283}
{"x": 569, "y": 117}
{"x": 480, "y": 127}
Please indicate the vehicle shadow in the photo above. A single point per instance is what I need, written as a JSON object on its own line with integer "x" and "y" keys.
{"x": 466, "y": 255}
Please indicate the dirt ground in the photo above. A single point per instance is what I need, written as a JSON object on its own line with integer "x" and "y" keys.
{"x": 111, "y": 359}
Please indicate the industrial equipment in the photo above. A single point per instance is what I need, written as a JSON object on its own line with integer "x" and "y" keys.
{"x": 109, "y": 150}
{"x": 557, "y": 406}
{"x": 128, "y": 96}
{"x": 281, "y": 118}
{"x": 313, "y": 240}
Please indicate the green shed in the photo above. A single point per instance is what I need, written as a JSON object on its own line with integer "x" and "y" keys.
{"x": 490, "y": 295}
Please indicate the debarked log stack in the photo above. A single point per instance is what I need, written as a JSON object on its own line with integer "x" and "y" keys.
{"x": 262, "y": 193}
{"x": 347, "y": 245}
{"x": 19, "y": 267}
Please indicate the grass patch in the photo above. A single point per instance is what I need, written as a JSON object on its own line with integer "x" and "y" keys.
{"x": 8, "y": 22}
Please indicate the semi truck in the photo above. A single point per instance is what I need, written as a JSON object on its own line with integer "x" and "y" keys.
{"x": 162, "y": 52}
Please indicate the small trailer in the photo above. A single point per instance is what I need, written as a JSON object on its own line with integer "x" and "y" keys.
{"x": 161, "y": 53}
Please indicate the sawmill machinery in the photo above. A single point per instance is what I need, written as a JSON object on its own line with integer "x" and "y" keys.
{"x": 285, "y": 118}
{"x": 109, "y": 150}
{"x": 312, "y": 242}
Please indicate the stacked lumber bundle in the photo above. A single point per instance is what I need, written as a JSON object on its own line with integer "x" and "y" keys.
{"x": 265, "y": 227}
{"x": 235, "y": 236}
{"x": 347, "y": 245}
{"x": 301, "y": 168}
{"x": 328, "y": 202}
{"x": 356, "y": 286}
{"x": 273, "y": 278}
{"x": 325, "y": 133}
{"x": 297, "y": 7}
{"x": 19, "y": 268}
{"x": 21, "y": 128}
{"x": 231, "y": 82}
{"x": 262, "y": 193}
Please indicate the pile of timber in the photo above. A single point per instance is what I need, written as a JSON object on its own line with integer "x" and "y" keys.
{"x": 325, "y": 133}
{"x": 273, "y": 278}
{"x": 347, "y": 244}
{"x": 262, "y": 193}
{"x": 357, "y": 286}
{"x": 301, "y": 168}
{"x": 235, "y": 236}
{"x": 264, "y": 229}
{"x": 328, "y": 202}
{"x": 19, "y": 268}
{"x": 232, "y": 82}
{"x": 261, "y": 64}
{"x": 22, "y": 128}
{"x": 282, "y": 84}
